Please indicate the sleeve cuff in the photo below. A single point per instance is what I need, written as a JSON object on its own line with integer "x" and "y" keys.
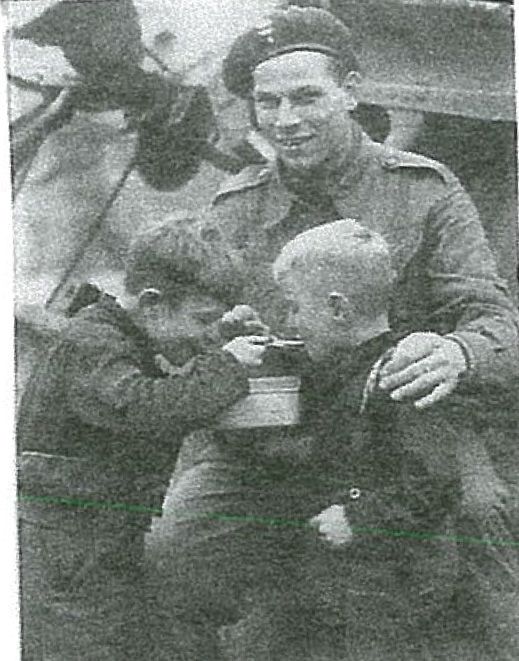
{"x": 466, "y": 349}
{"x": 236, "y": 371}
{"x": 480, "y": 357}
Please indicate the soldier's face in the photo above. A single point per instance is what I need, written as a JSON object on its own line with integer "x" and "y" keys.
{"x": 302, "y": 109}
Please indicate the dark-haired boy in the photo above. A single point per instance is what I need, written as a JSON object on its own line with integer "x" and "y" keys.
{"x": 100, "y": 424}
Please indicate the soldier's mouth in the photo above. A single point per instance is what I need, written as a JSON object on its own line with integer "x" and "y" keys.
{"x": 295, "y": 142}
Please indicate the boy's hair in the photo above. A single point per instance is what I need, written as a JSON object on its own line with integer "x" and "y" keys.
{"x": 172, "y": 257}
{"x": 345, "y": 257}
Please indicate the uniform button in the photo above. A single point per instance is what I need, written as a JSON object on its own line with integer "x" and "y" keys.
{"x": 354, "y": 493}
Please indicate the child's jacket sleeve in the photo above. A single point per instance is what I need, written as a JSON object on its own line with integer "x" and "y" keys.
{"x": 108, "y": 388}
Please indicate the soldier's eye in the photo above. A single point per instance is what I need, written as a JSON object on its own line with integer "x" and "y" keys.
{"x": 267, "y": 101}
{"x": 306, "y": 96}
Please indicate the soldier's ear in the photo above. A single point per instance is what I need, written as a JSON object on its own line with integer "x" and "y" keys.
{"x": 253, "y": 118}
{"x": 352, "y": 81}
{"x": 350, "y": 85}
{"x": 149, "y": 298}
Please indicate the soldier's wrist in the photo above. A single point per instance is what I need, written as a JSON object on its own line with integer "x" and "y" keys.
{"x": 465, "y": 371}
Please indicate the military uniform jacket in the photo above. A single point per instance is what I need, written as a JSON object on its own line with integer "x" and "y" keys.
{"x": 447, "y": 277}
{"x": 101, "y": 418}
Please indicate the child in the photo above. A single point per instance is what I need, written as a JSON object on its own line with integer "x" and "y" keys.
{"x": 407, "y": 475}
{"x": 100, "y": 425}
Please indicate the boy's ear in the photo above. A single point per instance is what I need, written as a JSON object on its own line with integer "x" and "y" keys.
{"x": 339, "y": 303}
{"x": 149, "y": 298}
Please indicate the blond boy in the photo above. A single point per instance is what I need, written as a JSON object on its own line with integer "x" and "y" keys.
{"x": 409, "y": 472}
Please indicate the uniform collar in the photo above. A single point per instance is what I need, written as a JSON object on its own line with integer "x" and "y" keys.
{"x": 287, "y": 188}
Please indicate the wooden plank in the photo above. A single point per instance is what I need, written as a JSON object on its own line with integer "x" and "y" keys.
{"x": 503, "y": 7}
{"x": 478, "y": 104}
{"x": 499, "y": 11}
{"x": 443, "y": 56}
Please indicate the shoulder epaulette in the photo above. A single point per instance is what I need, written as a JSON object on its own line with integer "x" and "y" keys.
{"x": 393, "y": 159}
{"x": 250, "y": 177}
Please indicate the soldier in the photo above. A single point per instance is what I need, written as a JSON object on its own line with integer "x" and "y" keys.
{"x": 99, "y": 428}
{"x": 299, "y": 75}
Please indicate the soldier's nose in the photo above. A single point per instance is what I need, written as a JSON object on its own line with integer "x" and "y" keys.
{"x": 287, "y": 117}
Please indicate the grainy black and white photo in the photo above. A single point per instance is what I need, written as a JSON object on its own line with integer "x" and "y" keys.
{"x": 266, "y": 329}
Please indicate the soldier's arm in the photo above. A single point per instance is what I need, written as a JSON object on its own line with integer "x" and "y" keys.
{"x": 465, "y": 285}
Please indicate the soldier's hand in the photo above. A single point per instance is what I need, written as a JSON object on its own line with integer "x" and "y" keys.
{"x": 424, "y": 368}
{"x": 242, "y": 320}
{"x": 248, "y": 351}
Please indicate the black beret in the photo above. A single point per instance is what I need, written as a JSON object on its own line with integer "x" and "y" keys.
{"x": 285, "y": 31}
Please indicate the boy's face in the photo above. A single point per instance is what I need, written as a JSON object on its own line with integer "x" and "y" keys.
{"x": 312, "y": 315}
{"x": 178, "y": 326}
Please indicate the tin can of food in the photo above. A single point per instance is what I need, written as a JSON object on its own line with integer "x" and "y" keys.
{"x": 272, "y": 402}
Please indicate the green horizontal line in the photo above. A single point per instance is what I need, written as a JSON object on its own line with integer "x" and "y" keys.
{"x": 264, "y": 520}
{"x": 91, "y": 503}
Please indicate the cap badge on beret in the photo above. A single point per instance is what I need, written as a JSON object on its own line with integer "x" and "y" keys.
{"x": 282, "y": 32}
{"x": 266, "y": 30}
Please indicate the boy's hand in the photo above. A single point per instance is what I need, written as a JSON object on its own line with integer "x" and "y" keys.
{"x": 333, "y": 525}
{"x": 424, "y": 368}
{"x": 248, "y": 351}
{"x": 242, "y": 320}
